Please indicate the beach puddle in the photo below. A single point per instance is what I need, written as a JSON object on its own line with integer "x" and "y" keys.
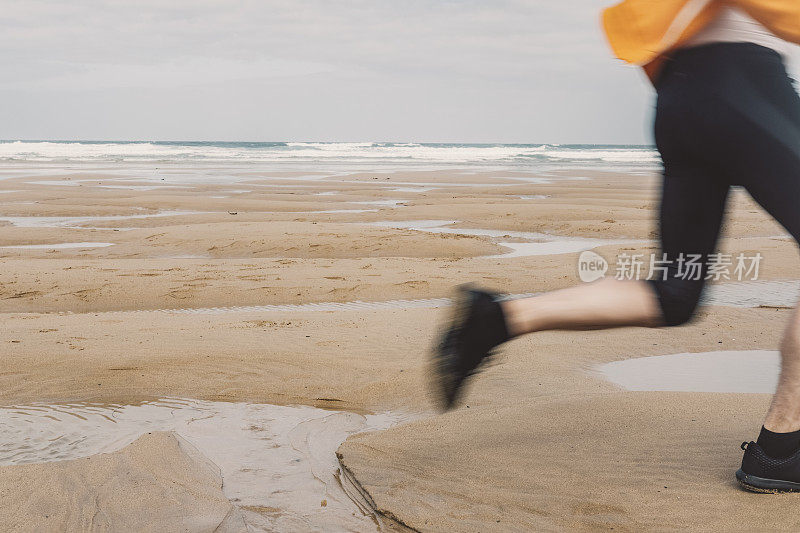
{"x": 750, "y": 371}
{"x": 754, "y": 371}
{"x": 412, "y": 189}
{"x": 555, "y": 247}
{"x": 762, "y": 293}
{"x": 145, "y": 187}
{"x": 102, "y": 185}
{"x": 539, "y": 181}
{"x": 432, "y": 185}
{"x": 77, "y": 222}
{"x": 381, "y": 203}
{"x": 60, "y": 183}
{"x": 276, "y": 458}
{"x": 282, "y": 185}
{"x": 59, "y": 246}
{"x": 324, "y": 211}
{"x": 538, "y": 243}
{"x": 184, "y": 256}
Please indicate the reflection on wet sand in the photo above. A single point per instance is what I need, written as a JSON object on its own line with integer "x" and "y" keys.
{"x": 276, "y": 457}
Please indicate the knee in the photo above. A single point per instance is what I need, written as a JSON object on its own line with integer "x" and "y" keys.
{"x": 678, "y": 300}
{"x": 680, "y": 314}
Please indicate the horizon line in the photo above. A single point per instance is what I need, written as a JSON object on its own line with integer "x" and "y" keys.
{"x": 325, "y": 142}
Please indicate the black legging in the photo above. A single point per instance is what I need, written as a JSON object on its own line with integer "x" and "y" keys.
{"x": 727, "y": 115}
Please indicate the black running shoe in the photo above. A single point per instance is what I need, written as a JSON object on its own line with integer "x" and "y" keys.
{"x": 762, "y": 473}
{"x": 475, "y": 327}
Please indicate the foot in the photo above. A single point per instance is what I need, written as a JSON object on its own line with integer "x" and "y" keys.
{"x": 475, "y": 327}
{"x": 762, "y": 473}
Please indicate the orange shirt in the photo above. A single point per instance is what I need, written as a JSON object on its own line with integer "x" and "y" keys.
{"x": 641, "y": 32}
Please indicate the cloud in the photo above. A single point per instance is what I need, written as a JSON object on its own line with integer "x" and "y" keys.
{"x": 462, "y": 70}
{"x": 475, "y": 37}
{"x": 186, "y": 72}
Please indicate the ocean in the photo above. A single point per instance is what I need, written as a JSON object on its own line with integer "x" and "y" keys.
{"x": 330, "y": 156}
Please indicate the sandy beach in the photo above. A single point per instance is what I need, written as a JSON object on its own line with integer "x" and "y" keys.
{"x": 123, "y": 291}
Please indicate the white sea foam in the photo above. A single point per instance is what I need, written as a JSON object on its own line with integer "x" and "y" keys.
{"x": 354, "y": 153}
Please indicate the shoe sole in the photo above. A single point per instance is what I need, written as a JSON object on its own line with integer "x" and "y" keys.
{"x": 765, "y": 485}
{"x": 457, "y": 314}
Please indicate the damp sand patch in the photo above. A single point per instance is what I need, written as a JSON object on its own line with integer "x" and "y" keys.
{"x": 278, "y": 463}
{"x": 725, "y": 295}
{"x": 357, "y": 305}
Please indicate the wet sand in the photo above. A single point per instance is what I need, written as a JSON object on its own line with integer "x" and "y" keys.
{"x": 276, "y": 465}
{"x": 127, "y": 490}
{"x": 186, "y": 302}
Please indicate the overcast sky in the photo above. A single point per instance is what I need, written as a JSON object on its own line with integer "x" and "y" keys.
{"x": 530, "y": 71}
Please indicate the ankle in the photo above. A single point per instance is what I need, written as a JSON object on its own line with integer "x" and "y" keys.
{"x": 514, "y": 327}
{"x": 778, "y": 423}
{"x": 779, "y": 444}
{"x": 495, "y": 321}
{"x": 516, "y": 319}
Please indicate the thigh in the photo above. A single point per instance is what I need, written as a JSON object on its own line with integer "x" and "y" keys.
{"x": 694, "y": 191}
{"x": 692, "y": 209}
{"x": 691, "y": 213}
{"x": 766, "y": 161}
{"x": 693, "y": 199}
{"x": 773, "y": 181}
{"x": 760, "y": 133}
